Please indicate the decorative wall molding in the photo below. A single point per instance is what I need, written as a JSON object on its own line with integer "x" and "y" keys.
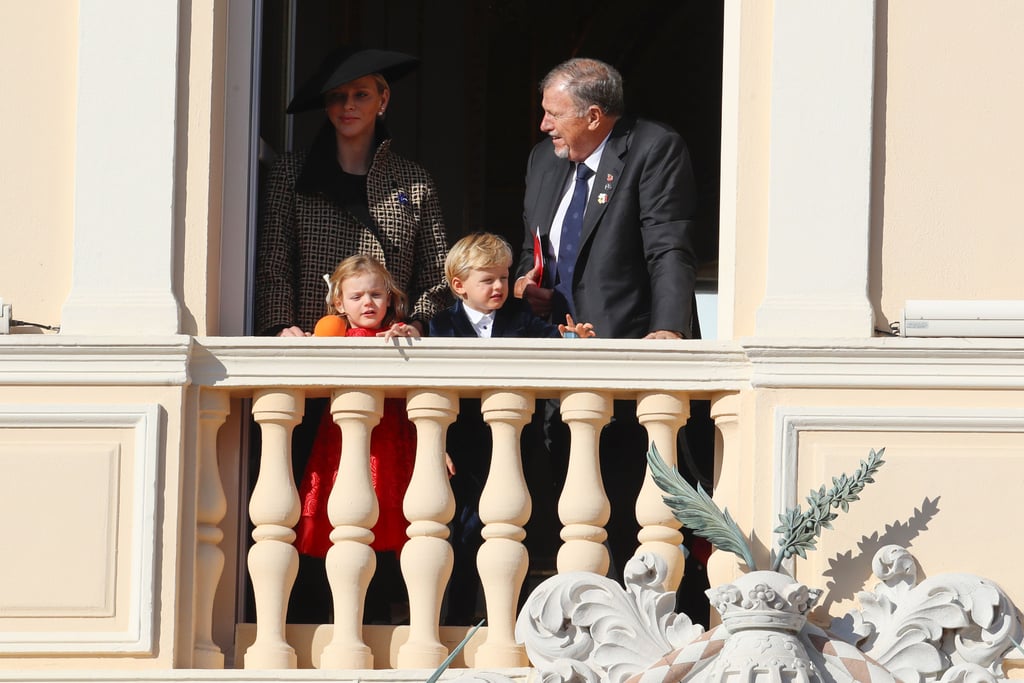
{"x": 138, "y": 635}
{"x": 62, "y": 360}
{"x": 791, "y": 421}
{"x": 886, "y": 363}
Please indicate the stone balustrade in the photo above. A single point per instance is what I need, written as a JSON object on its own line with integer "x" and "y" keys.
{"x": 185, "y": 564}
{"x": 432, "y": 375}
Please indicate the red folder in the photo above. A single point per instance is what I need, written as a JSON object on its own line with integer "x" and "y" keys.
{"x": 538, "y": 256}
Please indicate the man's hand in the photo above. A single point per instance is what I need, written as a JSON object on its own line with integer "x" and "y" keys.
{"x": 526, "y": 280}
{"x": 292, "y": 332}
{"x": 538, "y": 297}
{"x": 664, "y": 334}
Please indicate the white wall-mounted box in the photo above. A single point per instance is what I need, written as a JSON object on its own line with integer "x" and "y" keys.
{"x": 963, "y": 318}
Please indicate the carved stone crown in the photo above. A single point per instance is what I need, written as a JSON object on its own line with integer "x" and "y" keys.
{"x": 763, "y": 599}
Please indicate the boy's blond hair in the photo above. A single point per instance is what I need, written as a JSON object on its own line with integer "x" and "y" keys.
{"x": 479, "y": 250}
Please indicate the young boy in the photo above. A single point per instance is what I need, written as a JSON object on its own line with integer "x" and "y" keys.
{"x": 477, "y": 270}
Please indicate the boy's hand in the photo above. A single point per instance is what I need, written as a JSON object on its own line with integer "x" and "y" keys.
{"x": 579, "y": 329}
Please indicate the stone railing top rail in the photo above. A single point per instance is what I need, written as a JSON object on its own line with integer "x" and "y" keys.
{"x": 599, "y": 364}
{"x": 701, "y": 367}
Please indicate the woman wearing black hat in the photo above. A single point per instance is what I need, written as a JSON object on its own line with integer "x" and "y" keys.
{"x": 349, "y": 194}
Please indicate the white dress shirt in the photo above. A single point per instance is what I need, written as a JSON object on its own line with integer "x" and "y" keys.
{"x": 483, "y": 323}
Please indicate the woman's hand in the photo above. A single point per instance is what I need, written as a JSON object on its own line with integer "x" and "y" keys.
{"x": 579, "y": 329}
{"x": 400, "y": 330}
{"x": 292, "y": 332}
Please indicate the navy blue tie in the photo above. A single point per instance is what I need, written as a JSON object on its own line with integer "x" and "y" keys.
{"x": 569, "y": 241}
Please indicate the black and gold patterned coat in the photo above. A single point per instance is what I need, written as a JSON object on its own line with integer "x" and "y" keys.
{"x": 306, "y": 232}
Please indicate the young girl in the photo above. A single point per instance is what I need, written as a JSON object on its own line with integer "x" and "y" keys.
{"x": 364, "y": 295}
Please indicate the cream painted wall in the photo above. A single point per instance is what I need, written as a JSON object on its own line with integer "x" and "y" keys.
{"x": 948, "y": 158}
{"x": 38, "y": 72}
{"x": 954, "y": 154}
{"x": 947, "y": 491}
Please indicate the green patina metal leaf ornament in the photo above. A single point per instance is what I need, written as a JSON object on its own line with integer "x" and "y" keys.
{"x": 696, "y": 511}
{"x": 799, "y": 530}
{"x": 434, "y": 677}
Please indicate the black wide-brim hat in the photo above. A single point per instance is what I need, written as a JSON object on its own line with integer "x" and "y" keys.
{"x": 347, "y": 64}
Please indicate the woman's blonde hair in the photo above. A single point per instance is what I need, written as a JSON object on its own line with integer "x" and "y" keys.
{"x": 361, "y": 264}
{"x": 382, "y": 83}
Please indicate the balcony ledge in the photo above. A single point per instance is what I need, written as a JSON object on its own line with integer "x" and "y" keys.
{"x": 700, "y": 367}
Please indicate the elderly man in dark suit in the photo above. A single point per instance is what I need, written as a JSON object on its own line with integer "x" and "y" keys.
{"x": 629, "y": 265}
{"x": 610, "y": 203}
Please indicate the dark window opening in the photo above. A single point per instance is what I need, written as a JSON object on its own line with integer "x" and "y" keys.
{"x": 471, "y": 113}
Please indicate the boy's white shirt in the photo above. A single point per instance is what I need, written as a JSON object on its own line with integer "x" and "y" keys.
{"x": 483, "y": 323}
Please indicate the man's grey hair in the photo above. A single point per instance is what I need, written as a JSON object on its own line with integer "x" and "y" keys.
{"x": 588, "y": 82}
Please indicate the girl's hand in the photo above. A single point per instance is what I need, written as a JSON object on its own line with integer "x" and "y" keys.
{"x": 399, "y": 330}
{"x": 449, "y": 465}
{"x": 581, "y": 330}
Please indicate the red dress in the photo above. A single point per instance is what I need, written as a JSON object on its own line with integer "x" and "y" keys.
{"x": 392, "y": 453}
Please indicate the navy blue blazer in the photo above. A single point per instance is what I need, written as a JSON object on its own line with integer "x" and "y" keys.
{"x": 514, "y": 319}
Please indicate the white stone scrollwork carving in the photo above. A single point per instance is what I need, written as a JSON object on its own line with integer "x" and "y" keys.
{"x": 953, "y": 628}
{"x": 482, "y": 677}
{"x": 580, "y": 627}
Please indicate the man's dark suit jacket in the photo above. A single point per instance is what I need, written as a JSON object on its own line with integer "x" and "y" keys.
{"x": 637, "y": 267}
{"x": 514, "y": 319}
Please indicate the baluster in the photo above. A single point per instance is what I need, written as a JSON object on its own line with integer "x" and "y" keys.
{"x": 274, "y": 510}
{"x": 723, "y": 567}
{"x": 211, "y": 506}
{"x": 429, "y": 506}
{"x": 353, "y": 510}
{"x": 505, "y": 507}
{"x": 663, "y": 415}
{"x": 583, "y": 506}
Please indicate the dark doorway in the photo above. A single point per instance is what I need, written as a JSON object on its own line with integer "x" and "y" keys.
{"x": 470, "y": 113}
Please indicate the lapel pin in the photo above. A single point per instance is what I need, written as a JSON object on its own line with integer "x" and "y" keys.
{"x": 610, "y": 178}
{"x": 602, "y": 198}
{"x": 402, "y": 198}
